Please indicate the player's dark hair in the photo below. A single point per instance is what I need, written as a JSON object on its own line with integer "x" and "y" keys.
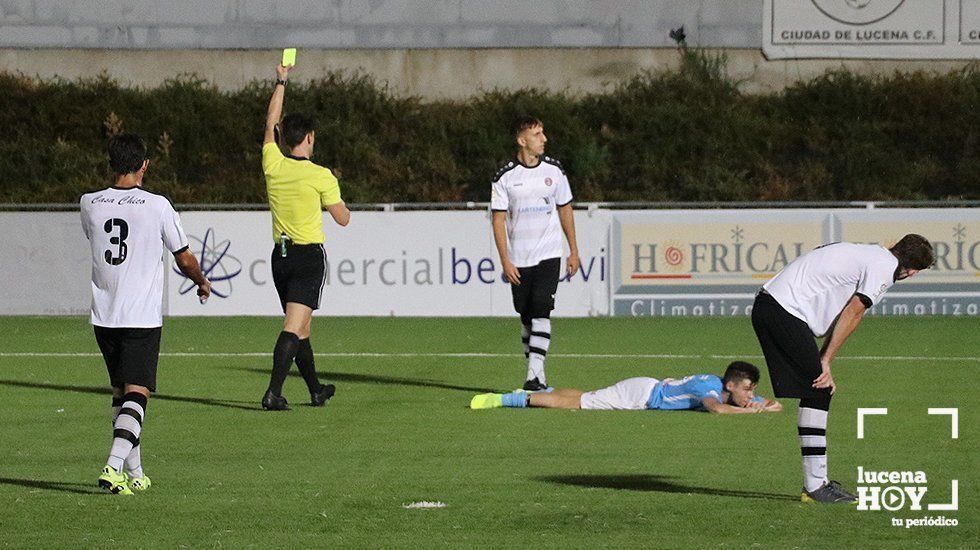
{"x": 913, "y": 252}
{"x": 295, "y": 127}
{"x": 126, "y": 153}
{"x": 740, "y": 370}
{"x": 522, "y": 123}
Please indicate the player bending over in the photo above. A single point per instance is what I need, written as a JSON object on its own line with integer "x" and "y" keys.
{"x": 824, "y": 293}
{"x": 732, "y": 394}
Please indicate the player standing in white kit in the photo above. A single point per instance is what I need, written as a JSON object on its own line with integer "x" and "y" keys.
{"x": 128, "y": 229}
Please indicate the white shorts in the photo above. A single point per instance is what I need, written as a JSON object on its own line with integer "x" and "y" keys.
{"x": 629, "y": 394}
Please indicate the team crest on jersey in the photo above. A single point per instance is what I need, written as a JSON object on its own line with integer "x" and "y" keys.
{"x": 548, "y": 182}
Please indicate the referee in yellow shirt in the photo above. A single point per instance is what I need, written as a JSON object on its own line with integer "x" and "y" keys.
{"x": 298, "y": 189}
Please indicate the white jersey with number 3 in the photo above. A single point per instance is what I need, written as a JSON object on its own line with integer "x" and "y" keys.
{"x": 128, "y": 230}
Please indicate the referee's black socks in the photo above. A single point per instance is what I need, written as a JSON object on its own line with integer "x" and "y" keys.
{"x": 307, "y": 367}
{"x": 282, "y": 358}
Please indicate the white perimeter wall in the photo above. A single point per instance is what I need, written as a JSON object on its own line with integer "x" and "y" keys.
{"x": 654, "y": 262}
{"x": 383, "y": 263}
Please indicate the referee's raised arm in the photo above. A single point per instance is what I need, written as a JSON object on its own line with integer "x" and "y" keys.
{"x": 275, "y": 105}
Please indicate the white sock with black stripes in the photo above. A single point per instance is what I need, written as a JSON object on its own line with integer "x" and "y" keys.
{"x": 126, "y": 429}
{"x": 538, "y": 348}
{"x": 117, "y": 403}
{"x": 133, "y": 463}
{"x": 526, "y": 339}
{"x": 812, "y": 429}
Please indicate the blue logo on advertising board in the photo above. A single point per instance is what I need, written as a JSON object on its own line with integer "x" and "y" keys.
{"x": 217, "y": 264}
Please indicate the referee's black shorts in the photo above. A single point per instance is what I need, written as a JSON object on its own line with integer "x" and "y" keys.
{"x": 130, "y": 354}
{"x": 299, "y": 276}
{"x": 534, "y": 298}
{"x": 789, "y": 347}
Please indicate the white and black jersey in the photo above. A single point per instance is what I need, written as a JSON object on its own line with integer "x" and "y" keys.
{"x": 128, "y": 230}
{"x": 818, "y": 285}
{"x": 531, "y": 196}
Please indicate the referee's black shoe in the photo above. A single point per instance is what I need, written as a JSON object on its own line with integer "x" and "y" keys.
{"x": 534, "y": 385}
{"x": 272, "y": 402}
{"x": 321, "y": 396}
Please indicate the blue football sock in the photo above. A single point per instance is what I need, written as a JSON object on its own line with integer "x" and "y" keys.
{"x": 515, "y": 399}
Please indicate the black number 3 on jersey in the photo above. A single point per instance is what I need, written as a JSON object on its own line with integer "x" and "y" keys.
{"x": 119, "y": 241}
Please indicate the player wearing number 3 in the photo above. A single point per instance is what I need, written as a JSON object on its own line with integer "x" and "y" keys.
{"x": 128, "y": 229}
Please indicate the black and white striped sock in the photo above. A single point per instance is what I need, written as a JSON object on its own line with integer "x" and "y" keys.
{"x": 526, "y": 339}
{"x": 812, "y": 429}
{"x": 133, "y": 463}
{"x": 538, "y": 343}
{"x": 117, "y": 403}
{"x": 127, "y": 428}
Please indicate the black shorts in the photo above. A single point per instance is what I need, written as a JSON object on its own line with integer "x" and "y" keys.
{"x": 299, "y": 277}
{"x": 534, "y": 298}
{"x": 789, "y": 347}
{"x": 130, "y": 354}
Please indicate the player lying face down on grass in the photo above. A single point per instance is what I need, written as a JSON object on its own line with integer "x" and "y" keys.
{"x": 733, "y": 393}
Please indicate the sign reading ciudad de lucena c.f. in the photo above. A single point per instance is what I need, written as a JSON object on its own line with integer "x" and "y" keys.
{"x": 903, "y": 29}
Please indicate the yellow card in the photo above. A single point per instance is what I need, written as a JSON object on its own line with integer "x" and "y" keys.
{"x": 289, "y": 57}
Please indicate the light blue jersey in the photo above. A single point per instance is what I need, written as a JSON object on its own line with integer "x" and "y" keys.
{"x": 685, "y": 393}
{"x": 688, "y": 393}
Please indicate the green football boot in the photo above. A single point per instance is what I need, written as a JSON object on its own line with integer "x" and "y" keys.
{"x": 487, "y": 401}
{"x": 114, "y": 482}
{"x": 139, "y": 484}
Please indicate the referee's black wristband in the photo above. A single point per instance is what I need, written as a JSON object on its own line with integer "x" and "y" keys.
{"x": 280, "y": 81}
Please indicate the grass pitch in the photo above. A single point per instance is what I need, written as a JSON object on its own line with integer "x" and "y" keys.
{"x": 225, "y": 473}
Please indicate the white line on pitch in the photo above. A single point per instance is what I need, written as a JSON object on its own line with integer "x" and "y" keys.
{"x": 478, "y": 354}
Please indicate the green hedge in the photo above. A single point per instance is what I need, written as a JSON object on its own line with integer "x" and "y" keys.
{"x": 685, "y": 134}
